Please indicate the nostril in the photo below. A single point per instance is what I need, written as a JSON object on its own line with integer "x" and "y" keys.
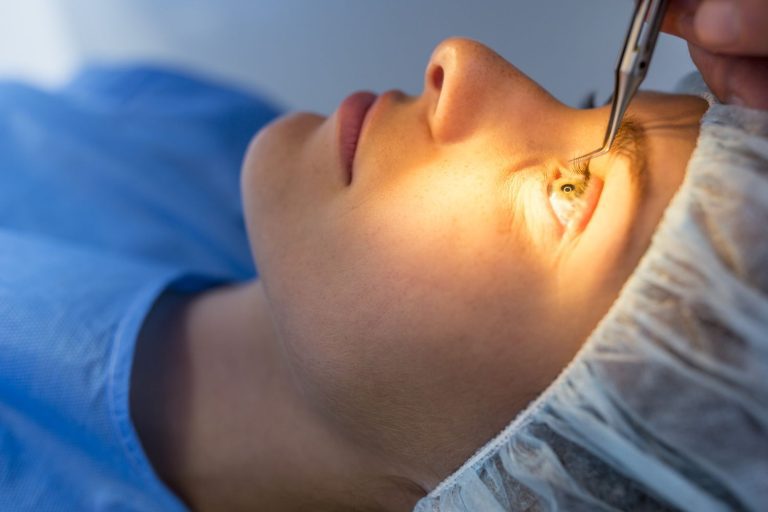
{"x": 437, "y": 77}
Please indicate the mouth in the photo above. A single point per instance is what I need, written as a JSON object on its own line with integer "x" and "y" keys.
{"x": 351, "y": 115}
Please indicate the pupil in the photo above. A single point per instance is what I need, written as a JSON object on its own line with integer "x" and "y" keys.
{"x": 567, "y": 188}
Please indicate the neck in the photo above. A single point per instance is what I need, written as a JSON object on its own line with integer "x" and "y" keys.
{"x": 225, "y": 424}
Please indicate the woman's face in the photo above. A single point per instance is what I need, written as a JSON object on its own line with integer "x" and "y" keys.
{"x": 430, "y": 294}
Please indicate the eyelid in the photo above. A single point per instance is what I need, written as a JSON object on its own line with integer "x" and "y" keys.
{"x": 564, "y": 205}
{"x": 630, "y": 143}
{"x": 581, "y": 168}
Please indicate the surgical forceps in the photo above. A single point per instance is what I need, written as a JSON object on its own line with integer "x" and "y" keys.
{"x": 632, "y": 66}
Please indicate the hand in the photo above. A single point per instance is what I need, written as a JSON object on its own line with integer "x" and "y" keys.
{"x": 728, "y": 42}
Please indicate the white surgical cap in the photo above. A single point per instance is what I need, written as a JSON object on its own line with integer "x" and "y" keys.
{"x": 665, "y": 407}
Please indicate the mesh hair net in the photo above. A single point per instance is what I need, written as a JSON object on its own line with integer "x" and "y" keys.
{"x": 665, "y": 407}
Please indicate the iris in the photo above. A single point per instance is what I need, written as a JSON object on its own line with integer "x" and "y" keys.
{"x": 567, "y": 197}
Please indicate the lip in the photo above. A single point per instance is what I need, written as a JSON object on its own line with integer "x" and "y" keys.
{"x": 351, "y": 115}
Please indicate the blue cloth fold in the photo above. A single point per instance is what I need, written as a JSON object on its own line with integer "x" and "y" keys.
{"x": 120, "y": 186}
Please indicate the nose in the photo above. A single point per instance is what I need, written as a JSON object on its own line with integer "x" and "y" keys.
{"x": 458, "y": 83}
{"x": 468, "y": 85}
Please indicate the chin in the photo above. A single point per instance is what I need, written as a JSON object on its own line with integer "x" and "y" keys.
{"x": 273, "y": 154}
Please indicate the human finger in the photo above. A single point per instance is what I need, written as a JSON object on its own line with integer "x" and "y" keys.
{"x": 733, "y": 27}
{"x": 676, "y": 10}
{"x": 733, "y": 79}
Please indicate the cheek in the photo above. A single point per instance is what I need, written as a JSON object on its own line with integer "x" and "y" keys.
{"x": 377, "y": 344}
{"x": 400, "y": 291}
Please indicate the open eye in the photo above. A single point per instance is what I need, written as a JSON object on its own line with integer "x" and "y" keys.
{"x": 566, "y": 196}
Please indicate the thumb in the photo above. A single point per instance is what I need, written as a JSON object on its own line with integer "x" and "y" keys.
{"x": 733, "y": 79}
{"x": 736, "y": 27}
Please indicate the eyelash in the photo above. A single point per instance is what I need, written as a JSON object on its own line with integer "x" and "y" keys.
{"x": 581, "y": 168}
{"x": 566, "y": 201}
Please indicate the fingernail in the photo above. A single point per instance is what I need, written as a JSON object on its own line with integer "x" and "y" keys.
{"x": 717, "y": 23}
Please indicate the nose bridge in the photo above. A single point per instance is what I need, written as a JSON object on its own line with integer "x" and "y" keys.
{"x": 471, "y": 90}
{"x": 466, "y": 84}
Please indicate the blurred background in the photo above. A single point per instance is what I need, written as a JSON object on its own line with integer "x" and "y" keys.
{"x": 309, "y": 54}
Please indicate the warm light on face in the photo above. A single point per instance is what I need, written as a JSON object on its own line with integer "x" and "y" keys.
{"x": 527, "y": 199}
{"x": 454, "y": 256}
{"x": 437, "y": 198}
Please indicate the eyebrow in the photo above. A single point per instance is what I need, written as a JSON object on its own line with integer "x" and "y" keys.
{"x": 630, "y": 142}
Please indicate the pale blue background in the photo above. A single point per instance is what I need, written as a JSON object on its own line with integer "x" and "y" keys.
{"x": 311, "y": 53}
